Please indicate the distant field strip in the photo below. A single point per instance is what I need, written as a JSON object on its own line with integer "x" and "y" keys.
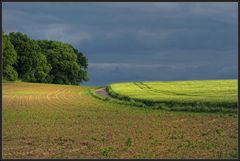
{"x": 209, "y": 94}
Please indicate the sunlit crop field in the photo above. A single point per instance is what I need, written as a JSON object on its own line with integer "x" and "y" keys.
{"x": 217, "y": 93}
{"x": 63, "y": 121}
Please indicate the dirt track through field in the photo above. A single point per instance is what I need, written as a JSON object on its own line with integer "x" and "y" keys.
{"x": 103, "y": 92}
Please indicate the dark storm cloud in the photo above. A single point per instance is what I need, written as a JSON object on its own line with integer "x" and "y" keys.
{"x": 138, "y": 41}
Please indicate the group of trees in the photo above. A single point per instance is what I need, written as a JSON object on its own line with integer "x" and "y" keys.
{"x": 42, "y": 60}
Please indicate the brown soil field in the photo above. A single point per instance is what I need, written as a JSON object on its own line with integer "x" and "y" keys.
{"x": 64, "y": 121}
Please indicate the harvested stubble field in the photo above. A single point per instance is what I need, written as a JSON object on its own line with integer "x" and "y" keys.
{"x": 63, "y": 121}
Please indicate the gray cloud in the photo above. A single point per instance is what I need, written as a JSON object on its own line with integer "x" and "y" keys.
{"x": 137, "y": 41}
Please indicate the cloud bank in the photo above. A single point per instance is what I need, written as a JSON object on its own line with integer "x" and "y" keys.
{"x": 138, "y": 41}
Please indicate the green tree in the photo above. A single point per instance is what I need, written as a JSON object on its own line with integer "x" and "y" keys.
{"x": 42, "y": 60}
{"x": 9, "y": 73}
{"x": 31, "y": 63}
{"x": 9, "y": 59}
{"x": 67, "y": 66}
{"x": 83, "y": 63}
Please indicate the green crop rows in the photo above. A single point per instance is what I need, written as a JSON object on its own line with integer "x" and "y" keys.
{"x": 201, "y": 95}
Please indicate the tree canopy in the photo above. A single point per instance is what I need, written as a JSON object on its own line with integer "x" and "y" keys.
{"x": 9, "y": 59}
{"x": 45, "y": 61}
{"x": 31, "y": 63}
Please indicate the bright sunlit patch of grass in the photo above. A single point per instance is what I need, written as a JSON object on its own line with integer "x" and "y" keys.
{"x": 202, "y": 95}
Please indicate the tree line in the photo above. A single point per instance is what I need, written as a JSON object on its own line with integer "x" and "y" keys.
{"x": 42, "y": 61}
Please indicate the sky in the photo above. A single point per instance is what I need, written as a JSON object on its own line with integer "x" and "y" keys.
{"x": 133, "y": 41}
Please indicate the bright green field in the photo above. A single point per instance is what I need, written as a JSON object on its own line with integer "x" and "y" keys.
{"x": 220, "y": 93}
